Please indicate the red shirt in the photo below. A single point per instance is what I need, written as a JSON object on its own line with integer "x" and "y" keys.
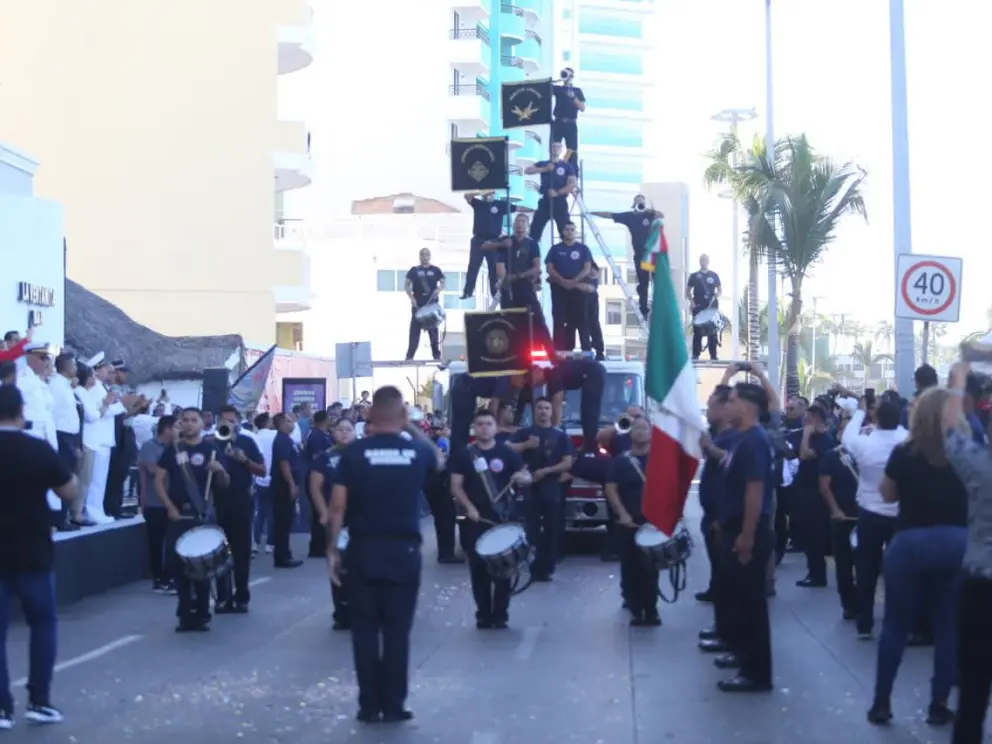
{"x": 14, "y": 352}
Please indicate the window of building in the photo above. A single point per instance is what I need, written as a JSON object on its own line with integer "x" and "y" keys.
{"x": 610, "y": 24}
{"x": 385, "y": 281}
{"x": 632, "y": 321}
{"x": 612, "y": 63}
{"x": 613, "y": 351}
{"x": 290, "y": 336}
{"x": 567, "y": 56}
{"x": 613, "y": 134}
{"x": 614, "y": 313}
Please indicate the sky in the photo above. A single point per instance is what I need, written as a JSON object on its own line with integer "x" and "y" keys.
{"x": 374, "y": 99}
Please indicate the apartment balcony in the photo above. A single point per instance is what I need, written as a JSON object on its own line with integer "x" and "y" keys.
{"x": 512, "y": 68}
{"x": 529, "y": 52}
{"x": 472, "y": 11}
{"x": 469, "y": 106}
{"x": 516, "y": 181}
{"x": 291, "y": 157}
{"x": 469, "y": 52}
{"x": 531, "y": 9}
{"x": 296, "y": 36}
{"x": 512, "y": 25}
{"x": 290, "y": 276}
{"x": 517, "y": 139}
{"x": 533, "y": 149}
{"x": 289, "y": 235}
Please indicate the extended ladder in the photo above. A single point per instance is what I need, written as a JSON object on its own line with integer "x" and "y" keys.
{"x": 633, "y": 307}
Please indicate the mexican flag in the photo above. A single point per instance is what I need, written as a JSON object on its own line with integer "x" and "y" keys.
{"x": 657, "y": 243}
{"x": 671, "y": 392}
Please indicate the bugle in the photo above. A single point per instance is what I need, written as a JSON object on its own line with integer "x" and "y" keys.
{"x": 623, "y": 424}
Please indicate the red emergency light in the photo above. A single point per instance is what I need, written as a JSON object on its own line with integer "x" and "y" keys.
{"x": 539, "y": 354}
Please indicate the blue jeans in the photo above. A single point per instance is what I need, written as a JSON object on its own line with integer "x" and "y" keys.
{"x": 263, "y": 515}
{"x": 36, "y": 591}
{"x": 922, "y": 570}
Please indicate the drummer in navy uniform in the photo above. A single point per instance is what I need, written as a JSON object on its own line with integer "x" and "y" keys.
{"x": 378, "y": 486}
{"x": 518, "y": 267}
{"x": 321, "y": 481}
{"x": 747, "y": 539}
{"x": 624, "y": 490}
{"x": 480, "y": 479}
{"x": 702, "y": 291}
{"x": 235, "y": 511}
{"x": 181, "y": 485}
{"x": 424, "y": 284}
{"x": 487, "y": 224}
{"x": 548, "y": 453}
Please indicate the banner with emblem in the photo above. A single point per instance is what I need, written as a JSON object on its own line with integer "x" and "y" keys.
{"x": 497, "y": 343}
{"x": 527, "y": 103}
{"x": 480, "y": 164}
{"x": 247, "y": 390}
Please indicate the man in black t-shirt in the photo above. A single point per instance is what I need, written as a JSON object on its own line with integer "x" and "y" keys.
{"x": 480, "y": 479}
{"x": 487, "y": 224}
{"x": 287, "y": 472}
{"x": 638, "y": 221}
{"x": 30, "y": 469}
{"x": 703, "y": 291}
{"x": 569, "y": 101}
{"x": 424, "y": 284}
{"x": 181, "y": 484}
{"x": 839, "y": 487}
{"x": 814, "y": 517}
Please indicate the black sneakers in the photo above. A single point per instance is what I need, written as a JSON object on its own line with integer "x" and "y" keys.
{"x": 43, "y": 713}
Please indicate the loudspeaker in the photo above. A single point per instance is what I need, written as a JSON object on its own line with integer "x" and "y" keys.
{"x": 215, "y": 388}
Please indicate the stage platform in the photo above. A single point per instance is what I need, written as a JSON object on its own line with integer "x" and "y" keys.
{"x": 97, "y": 559}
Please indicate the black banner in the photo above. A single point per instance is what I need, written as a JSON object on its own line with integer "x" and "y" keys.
{"x": 479, "y": 164}
{"x": 498, "y": 343}
{"x": 527, "y": 103}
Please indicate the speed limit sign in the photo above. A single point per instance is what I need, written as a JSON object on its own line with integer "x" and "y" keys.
{"x": 928, "y": 288}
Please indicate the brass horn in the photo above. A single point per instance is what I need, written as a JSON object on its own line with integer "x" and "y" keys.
{"x": 623, "y": 424}
{"x": 224, "y": 433}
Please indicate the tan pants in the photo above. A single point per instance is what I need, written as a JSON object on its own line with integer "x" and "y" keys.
{"x": 84, "y": 473}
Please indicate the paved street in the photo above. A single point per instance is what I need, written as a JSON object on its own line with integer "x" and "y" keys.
{"x": 569, "y": 670}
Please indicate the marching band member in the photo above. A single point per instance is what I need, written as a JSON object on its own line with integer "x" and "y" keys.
{"x": 548, "y": 453}
{"x": 319, "y": 442}
{"x": 638, "y": 221}
{"x": 480, "y": 479}
{"x": 702, "y": 290}
{"x": 424, "y": 284}
{"x": 591, "y": 333}
{"x": 235, "y": 510}
{"x": 181, "y": 484}
{"x": 558, "y": 180}
{"x": 569, "y": 263}
{"x": 518, "y": 267}
{"x": 285, "y": 472}
{"x": 487, "y": 224}
{"x": 588, "y": 376}
{"x": 624, "y": 490}
{"x": 378, "y": 484}
{"x": 569, "y": 101}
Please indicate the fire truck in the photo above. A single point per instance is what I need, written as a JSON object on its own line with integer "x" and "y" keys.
{"x": 585, "y": 503}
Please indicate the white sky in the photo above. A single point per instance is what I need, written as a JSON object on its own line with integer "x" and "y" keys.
{"x": 375, "y": 96}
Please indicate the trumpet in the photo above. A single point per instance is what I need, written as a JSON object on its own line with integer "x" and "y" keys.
{"x": 623, "y": 424}
{"x": 224, "y": 433}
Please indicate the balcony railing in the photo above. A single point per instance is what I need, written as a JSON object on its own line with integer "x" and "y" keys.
{"x": 510, "y": 61}
{"x": 469, "y": 89}
{"x": 507, "y": 8}
{"x": 532, "y": 185}
{"x": 516, "y": 170}
{"x": 533, "y": 136}
{"x": 534, "y": 35}
{"x": 479, "y": 32}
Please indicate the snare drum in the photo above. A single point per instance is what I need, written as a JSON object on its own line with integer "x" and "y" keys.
{"x": 663, "y": 551}
{"x": 709, "y": 316}
{"x": 503, "y": 549}
{"x": 430, "y": 316}
{"x": 204, "y": 553}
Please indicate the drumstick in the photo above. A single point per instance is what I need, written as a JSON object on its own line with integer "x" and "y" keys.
{"x": 210, "y": 477}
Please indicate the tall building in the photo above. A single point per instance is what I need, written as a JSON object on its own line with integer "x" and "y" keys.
{"x": 494, "y": 42}
{"x": 157, "y": 129}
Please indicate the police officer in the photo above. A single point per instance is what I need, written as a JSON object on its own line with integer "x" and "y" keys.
{"x": 747, "y": 540}
{"x": 181, "y": 485}
{"x": 624, "y": 489}
{"x": 378, "y": 485}
{"x": 814, "y": 515}
{"x": 569, "y": 101}
{"x": 548, "y": 454}
{"x": 839, "y": 479}
{"x": 518, "y": 267}
{"x": 487, "y": 224}
{"x": 321, "y": 482}
{"x": 587, "y": 376}
{"x": 424, "y": 284}
{"x": 569, "y": 263}
{"x": 702, "y": 291}
{"x": 638, "y": 221}
{"x": 480, "y": 478}
{"x": 558, "y": 180}
{"x": 236, "y": 510}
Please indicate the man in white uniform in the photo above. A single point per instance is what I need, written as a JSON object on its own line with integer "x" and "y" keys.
{"x": 32, "y": 376}
{"x": 99, "y": 437}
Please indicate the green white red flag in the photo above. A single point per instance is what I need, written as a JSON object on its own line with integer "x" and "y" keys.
{"x": 672, "y": 406}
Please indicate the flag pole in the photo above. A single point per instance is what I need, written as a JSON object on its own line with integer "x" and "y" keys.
{"x": 773, "y": 341}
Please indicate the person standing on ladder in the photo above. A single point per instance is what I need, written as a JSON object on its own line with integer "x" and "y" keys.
{"x": 569, "y": 263}
{"x": 487, "y": 224}
{"x": 638, "y": 221}
{"x": 518, "y": 266}
{"x": 558, "y": 180}
{"x": 569, "y": 101}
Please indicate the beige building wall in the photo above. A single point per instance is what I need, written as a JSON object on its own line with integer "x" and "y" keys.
{"x": 156, "y": 124}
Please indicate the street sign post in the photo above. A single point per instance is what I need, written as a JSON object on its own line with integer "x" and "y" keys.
{"x": 353, "y": 360}
{"x": 928, "y": 288}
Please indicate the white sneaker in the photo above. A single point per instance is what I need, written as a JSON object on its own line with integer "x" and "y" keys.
{"x": 6, "y": 720}
{"x": 43, "y": 714}
{"x": 268, "y": 548}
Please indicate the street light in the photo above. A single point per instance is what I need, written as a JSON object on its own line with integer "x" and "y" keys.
{"x": 733, "y": 117}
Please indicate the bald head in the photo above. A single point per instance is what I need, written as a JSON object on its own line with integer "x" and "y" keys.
{"x": 388, "y": 410}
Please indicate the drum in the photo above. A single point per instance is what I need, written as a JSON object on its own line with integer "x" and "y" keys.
{"x": 503, "y": 549}
{"x": 709, "y": 316}
{"x": 343, "y": 540}
{"x": 663, "y": 551}
{"x": 204, "y": 553}
{"x": 430, "y": 316}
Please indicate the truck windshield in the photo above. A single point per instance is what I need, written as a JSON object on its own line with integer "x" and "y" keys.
{"x": 622, "y": 390}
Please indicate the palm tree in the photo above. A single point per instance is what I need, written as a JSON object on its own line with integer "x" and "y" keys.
{"x": 884, "y": 332}
{"x": 865, "y": 354}
{"x": 795, "y": 200}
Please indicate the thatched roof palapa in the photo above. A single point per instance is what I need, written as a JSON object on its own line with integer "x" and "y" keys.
{"x": 92, "y": 325}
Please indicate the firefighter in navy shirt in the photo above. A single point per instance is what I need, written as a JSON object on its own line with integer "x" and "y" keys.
{"x": 558, "y": 180}
{"x": 518, "y": 267}
{"x": 287, "y": 472}
{"x": 624, "y": 490}
{"x": 569, "y": 263}
{"x": 638, "y": 221}
{"x": 487, "y": 225}
{"x": 592, "y": 340}
{"x": 569, "y": 101}
{"x": 702, "y": 290}
{"x": 378, "y": 487}
{"x": 814, "y": 517}
{"x": 839, "y": 478}
{"x": 424, "y": 284}
{"x": 587, "y": 376}
{"x": 480, "y": 477}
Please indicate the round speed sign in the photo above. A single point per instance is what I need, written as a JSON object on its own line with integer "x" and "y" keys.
{"x": 928, "y": 287}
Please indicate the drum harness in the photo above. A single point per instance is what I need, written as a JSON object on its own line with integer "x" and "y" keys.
{"x": 444, "y": 322}
{"x": 677, "y": 573}
{"x": 201, "y": 502}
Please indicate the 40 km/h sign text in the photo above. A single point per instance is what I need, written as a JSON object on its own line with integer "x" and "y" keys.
{"x": 929, "y": 288}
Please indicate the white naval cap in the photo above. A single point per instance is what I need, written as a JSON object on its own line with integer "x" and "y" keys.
{"x": 36, "y": 346}
{"x": 96, "y": 360}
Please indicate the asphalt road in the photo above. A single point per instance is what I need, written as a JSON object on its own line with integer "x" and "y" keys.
{"x": 568, "y": 670}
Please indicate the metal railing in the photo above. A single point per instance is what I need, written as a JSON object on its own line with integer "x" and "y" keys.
{"x": 532, "y": 185}
{"x": 516, "y": 170}
{"x": 528, "y": 134}
{"x": 479, "y": 32}
{"x": 535, "y": 36}
{"x": 469, "y": 89}
{"x": 507, "y": 8}
{"x": 508, "y": 60}
{"x": 289, "y": 229}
